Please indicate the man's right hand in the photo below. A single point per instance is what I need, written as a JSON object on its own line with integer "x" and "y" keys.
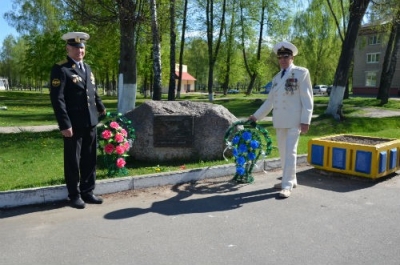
{"x": 67, "y": 132}
{"x": 252, "y": 118}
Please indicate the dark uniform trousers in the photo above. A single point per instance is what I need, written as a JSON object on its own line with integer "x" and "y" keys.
{"x": 80, "y": 159}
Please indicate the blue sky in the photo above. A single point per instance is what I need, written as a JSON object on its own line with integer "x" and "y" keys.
{"x": 5, "y": 29}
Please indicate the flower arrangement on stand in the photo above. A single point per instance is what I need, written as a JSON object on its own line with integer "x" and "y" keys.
{"x": 115, "y": 139}
{"x": 247, "y": 145}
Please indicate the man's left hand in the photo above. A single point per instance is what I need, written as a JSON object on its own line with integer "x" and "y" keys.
{"x": 304, "y": 128}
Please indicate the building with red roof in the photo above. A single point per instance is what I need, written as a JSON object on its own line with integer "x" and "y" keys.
{"x": 188, "y": 81}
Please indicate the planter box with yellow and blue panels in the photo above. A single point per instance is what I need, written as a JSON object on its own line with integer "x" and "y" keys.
{"x": 355, "y": 155}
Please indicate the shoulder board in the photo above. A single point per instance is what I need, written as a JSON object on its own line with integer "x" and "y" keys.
{"x": 299, "y": 68}
{"x": 62, "y": 62}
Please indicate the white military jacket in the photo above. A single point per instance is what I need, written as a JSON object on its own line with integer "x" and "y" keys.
{"x": 291, "y": 98}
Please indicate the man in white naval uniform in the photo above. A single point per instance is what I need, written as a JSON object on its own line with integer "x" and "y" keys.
{"x": 291, "y": 98}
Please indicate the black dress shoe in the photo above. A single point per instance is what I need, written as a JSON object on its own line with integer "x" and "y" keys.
{"x": 77, "y": 203}
{"x": 91, "y": 198}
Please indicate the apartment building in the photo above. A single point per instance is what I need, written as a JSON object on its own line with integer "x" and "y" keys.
{"x": 369, "y": 54}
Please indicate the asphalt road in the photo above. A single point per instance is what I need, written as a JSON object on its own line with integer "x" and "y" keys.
{"x": 329, "y": 219}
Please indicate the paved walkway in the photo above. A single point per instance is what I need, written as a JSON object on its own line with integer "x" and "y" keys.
{"x": 329, "y": 219}
{"x": 364, "y": 112}
{"x": 18, "y": 129}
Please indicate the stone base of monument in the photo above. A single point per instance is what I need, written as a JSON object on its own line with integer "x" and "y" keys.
{"x": 179, "y": 131}
{"x": 355, "y": 155}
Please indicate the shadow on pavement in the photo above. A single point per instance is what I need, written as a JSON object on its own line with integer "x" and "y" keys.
{"x": 181, "y": 203}
{"x": 11, "y": 212}
{"x": 336, "y": 182}
{"x": 225, "y": 195}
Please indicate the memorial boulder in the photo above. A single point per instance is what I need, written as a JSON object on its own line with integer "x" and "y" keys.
{"x": 179, "y": 130}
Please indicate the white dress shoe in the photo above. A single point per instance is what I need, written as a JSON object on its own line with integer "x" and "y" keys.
{"x": 278, "y": 186}
{"x": 285, "y": 193}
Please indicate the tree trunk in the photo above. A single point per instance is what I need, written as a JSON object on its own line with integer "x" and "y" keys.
{"x": 127, "y": 66}
{"x": 225, "y": 85}
{"x": 106, "y": 86}
{"x": 212, "y": 54}
{"x": 252, "y": 72}
{"x": 389, "y": 64}
{"x": 171, "y": 87}
{"x": 182, "y": 49}
{"x": 156, "y": 52}
{"x": 229, "y": 40}
{"x": 357, "y": 11}
{"x": 253, "y": 78}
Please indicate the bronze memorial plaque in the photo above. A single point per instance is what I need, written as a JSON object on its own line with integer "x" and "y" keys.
{"x": 173, "y": 130}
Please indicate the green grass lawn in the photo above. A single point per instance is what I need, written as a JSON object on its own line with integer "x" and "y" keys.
{"x": 36, "y": 159}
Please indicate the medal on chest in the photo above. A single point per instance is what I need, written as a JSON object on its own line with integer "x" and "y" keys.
{"x": 291, "y": 85}
{"x": 76, "y": 78}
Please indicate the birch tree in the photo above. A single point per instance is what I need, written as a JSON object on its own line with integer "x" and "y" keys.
{"x": 157, "y": 86}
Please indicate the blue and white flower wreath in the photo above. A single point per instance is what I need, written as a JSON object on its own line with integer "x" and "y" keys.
{"x": 247, "y": 145}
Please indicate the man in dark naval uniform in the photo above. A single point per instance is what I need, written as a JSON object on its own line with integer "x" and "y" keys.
{"x": 77, "y": 107}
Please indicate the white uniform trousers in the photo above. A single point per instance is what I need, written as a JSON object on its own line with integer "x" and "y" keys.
{"x": 288, "y": 140}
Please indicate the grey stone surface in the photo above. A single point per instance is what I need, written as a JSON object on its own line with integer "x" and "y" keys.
{"x": 210, "y": 124}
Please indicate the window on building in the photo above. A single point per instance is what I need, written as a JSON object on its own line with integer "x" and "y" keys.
{"x": 375, "y": 39}
{"x": 370, "y": 79}
{"x": 373, "y": 57}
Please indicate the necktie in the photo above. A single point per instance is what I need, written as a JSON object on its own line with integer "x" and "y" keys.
{"x": 283, "y": 73}
{"x": 81, "y": 66}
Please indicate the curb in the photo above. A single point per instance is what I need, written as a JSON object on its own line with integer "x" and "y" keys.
{"x": 17, "y": 129}
{"x": 43, "y": 195}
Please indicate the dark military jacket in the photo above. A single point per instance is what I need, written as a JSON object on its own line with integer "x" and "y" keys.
{"x": 73, "y": 95}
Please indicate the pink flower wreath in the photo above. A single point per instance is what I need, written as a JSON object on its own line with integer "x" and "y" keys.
{"x": 114, "y": 144}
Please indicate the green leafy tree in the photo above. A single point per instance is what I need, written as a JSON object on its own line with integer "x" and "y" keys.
{"x": 262, "y": 24}
{"x": 316, "y": 36}
{"x": 9, "y": 60}
{"x": 228, "y": 51}
{"x": 128, "y": 15}
{"x": 213, "y": 19}
{"x": 197, "y": 57}
{"x": 37, "y": 22}
{"x": 41, "y": 53}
